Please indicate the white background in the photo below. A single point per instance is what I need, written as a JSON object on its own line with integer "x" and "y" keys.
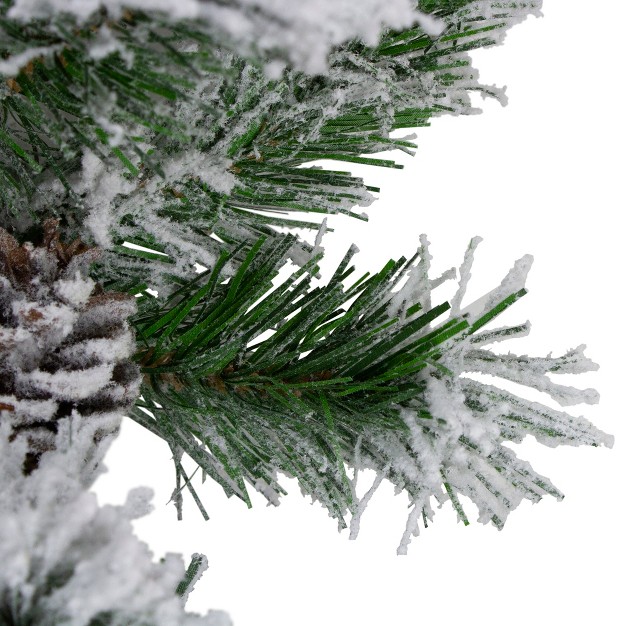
{"x": 545, "y": 176}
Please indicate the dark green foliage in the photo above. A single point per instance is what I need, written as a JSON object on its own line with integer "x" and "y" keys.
{"x": 333, "y": 372}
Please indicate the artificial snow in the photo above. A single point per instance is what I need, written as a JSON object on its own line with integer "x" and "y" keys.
{"x": 13, "y": 65}
{"x": 75, "y": 290}
{"x": 306, "y": 30}
{"x": 68, "y": 385}
{"x": 101, "y": 185}
{"x": 51, "y": 525}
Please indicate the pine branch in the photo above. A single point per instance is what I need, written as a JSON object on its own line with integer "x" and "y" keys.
{"x": 164, "y": 130}
{"x": 251, "y": 379}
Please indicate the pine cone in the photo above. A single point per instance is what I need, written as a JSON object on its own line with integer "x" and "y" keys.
{"x": 64, "y": 345}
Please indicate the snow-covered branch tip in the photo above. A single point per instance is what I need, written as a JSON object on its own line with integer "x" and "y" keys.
{"x": 460, "y": 449}
{"x": 67, "y": 560}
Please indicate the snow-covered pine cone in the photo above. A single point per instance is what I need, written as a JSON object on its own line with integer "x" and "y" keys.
{"x": 65, "y": 346}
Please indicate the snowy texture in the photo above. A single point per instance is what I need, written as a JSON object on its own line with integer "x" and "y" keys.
{"x": 66, "y": 560}
{"x": 27, "y": 10}
{"x": 459, "y": 450}
{"x": 306, "y": 31}
{"x": 101, "y": 185}
{"x": 12, "y": 65}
